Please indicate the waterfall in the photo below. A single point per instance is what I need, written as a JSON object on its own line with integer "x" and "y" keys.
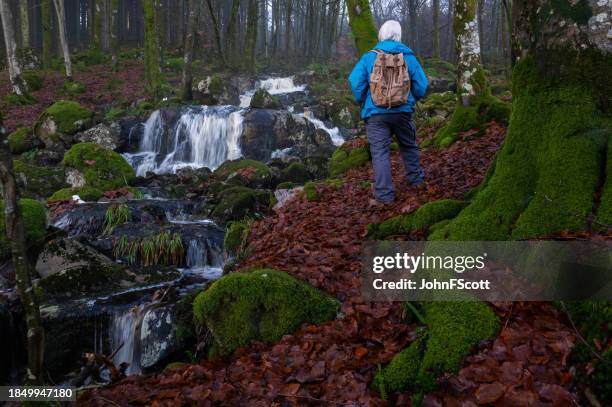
{"x": 125, "y": 332}
{"x": 275, "y": 86}
{"x": 334, "y": 132}
{"x": 203, "y": 136}
{"x": 202, "y": 253}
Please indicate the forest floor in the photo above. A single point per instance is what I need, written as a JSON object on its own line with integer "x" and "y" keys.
{"x": 333, "y": 363}
{"x": 103, "y": 87}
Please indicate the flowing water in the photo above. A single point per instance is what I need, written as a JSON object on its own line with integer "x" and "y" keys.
{"x": 275, "y": 86}
{"x": 125, "y": 335}
{"x": 203, "y": 136}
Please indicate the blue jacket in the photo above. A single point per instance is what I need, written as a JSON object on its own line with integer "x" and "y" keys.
{"x": 360, "y": 80}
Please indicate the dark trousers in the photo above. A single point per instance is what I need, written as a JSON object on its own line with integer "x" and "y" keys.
{"x": 380, "y": 130}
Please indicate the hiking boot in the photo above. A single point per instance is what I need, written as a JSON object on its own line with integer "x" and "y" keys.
{"x": 419, "y": 188}
{"x": 376, "y": 204}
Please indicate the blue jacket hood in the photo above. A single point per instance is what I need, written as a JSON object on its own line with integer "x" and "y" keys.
{"x": 393, "y": 47}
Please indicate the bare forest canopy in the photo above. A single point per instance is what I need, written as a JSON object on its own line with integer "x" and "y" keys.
{"x": 287, "y": 33}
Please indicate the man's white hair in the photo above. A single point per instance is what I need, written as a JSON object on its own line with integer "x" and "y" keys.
{"x": 391, "y": 30}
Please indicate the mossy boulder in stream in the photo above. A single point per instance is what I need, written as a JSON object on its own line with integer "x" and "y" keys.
{"x": 34, "y": 222}
{"x": 239, "y": 202}
{"x": 101, "y": 168}
{"x": 61, "y": 120}
{"x": 261, "y": 305}
{"x": 243, "y": 172}
{"x": 262, "y": 99}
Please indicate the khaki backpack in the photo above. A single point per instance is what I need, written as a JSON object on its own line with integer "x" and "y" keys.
{"x": 390, "y": 80}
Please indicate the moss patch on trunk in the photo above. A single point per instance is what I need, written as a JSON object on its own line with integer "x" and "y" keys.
{"x": 34, "y": 223}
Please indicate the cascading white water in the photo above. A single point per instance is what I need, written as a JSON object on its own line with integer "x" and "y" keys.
{"x": 334, "y": 132}
{"x": 201, "y": 253}
{"x": 203, "y": 136}
{"x": 125, "y": 329}
{"x": 275, "y": 86}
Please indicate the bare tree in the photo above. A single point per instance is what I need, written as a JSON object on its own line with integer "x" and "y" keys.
{"x": 17, "y": 82}
{"x": 61, "y": 24}
{"x": 23, "y": 269}
{"x": 436, "y": 28}
{"x": 24, "y": 22}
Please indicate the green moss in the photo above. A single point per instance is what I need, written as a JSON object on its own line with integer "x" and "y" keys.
{"x": 363, "y": 27}
{"x": 102, "y": 168}
{"x": 452, "y": 330}
{"x": 438, "y": 68}
{"x": 236, "y": 236}
{"x": 295, "y": 173}
{"x": 88, "y": 194}
{"x": 34, "y": 80}
{"x": 604, "y": 212}
{"x": 175, "y": 365}
{"x": 261, "y": 305}
{"x": 34, "y": 222}
{"x": 216, "y": 87}
{"x": 21, "y": 140}
{"x": 421, "y": 219}
{"x": 13, "y": 99}
{"x": 72, "y": 88}
{"x": 238, "y": 202}
{"x": 174, "y": 64}
{"x": 548, "y": 170}
{"x": 286, "y": 185}
{"x": 593, "y": 320}
{"x": 230, "y": 167}
{"x": 38, "y": 181}
{"x": 482, "y": 110}
{"x": 115, "y": 113}
{"x": 311, "y": 193}
{"x": 262, "y": 99}
{"x": 346, "y": 158}
{"x": 67, "y": 115}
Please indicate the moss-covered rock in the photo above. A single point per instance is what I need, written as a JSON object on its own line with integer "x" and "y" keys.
{"x": 347, "y": 157}
{"x": 261, "y": 305}
{"x": 343, "y": 112}
{"x": 419, "y": 220}
{"x": 21, "y": 140}
{"x": 435, "y": 109}
{"x": 38, "y": 181}
{"x": 243, "y": 172}
{"x": 236, "y": 236}
{"x": 102, "y": 168}
{"x": 295, "y": 173}
{"x": 239, "y": 202}
{"x": 452, "y": 330}
{"x": 63, "y": 118}
{"x": 262, "y": 99}
{"x": 34, "y": 222}
{"x": 89, "y": 194}
{"x": 481, "y": 110}
{"x": 72, "y": 88}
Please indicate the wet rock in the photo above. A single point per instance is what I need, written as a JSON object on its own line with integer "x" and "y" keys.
{"x": 130, "y": 134}
{"x": 74, "y": 178}
{"x": 36, "y": 181}
{"x": 262, "y": 99}
{"x": 238, "y": 202}
{"x": 158, "y": 336}
{"x": 217, "y": 90}
{"x": 64, "y": 254}
{"x": 265, "y": 131}
{"x": 107, "y": 136}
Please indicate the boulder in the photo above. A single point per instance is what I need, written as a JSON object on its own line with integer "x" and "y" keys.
{"x": 243, "y": 172}
{"x": 158, "y": 335}
{"x": 75, "y": 178}
{"x": 262, "y": 99}
{"x": 108, "y": 136}
{"x": 265, "y": 131}
{"x": 59, "y": 122}
{"x": 217, "y": 90}
{"x": 237, "y": 202}
{"x": 22, "y": 140}
{"x": 38, "y": 182}
{"x": 65, "y": 254}
{"x": 260, "y": 305}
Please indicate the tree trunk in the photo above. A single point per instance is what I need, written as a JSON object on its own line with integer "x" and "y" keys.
{"x": 153, "y": 74}
{"x": 412, "y": 25}
{"x": 61, "y": 24}
{"x": 217, "y": 31}
{"x": 470, "y": 76}
{"x": 553, "y": 160}
{"x": 23, "y": 269}
{"x": 232, "y": 33}
{"x": 251, "y": 35}
{"x": 97, "y": 26}
{"x": 17, "y": 83}
{"x": 436, "y": 29}
{"x": 362, "y": 25}
{"x": 24, "y": 21}
{"x": 187, "y": 80}
{"x": 288, "y": 25}
{"x": 114, "y": 32}
{"x": 45, "y": 15}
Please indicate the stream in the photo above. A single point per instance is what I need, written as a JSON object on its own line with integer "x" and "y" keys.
{"x": 136, "y": 320}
